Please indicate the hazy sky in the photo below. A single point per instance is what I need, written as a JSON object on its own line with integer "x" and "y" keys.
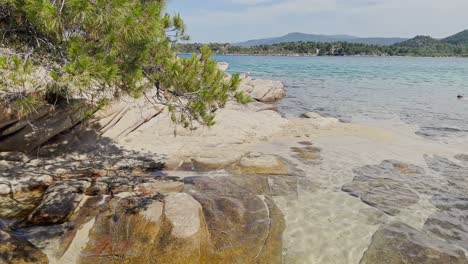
{"x": 239, "y": 20}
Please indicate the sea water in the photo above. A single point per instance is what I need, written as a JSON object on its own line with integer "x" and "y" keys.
{"x": 408, "y": 155}
{"x": 417, "y": 91}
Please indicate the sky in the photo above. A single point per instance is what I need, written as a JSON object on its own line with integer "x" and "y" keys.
{"x": 240, "y": 20}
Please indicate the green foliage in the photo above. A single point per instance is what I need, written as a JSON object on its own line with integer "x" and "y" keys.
{"x": 460, "y": 38}
{"x": 421, "y": 46}
{"x": 94, "y": 49}
{"x": 19, "y": 75}
{"x": 198, "y": 81}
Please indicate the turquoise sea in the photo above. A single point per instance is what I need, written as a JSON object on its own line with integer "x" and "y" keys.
{"x": 418, "y": 91}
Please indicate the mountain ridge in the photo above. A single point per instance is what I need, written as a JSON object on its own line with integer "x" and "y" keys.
{"x": 297, "y": 36}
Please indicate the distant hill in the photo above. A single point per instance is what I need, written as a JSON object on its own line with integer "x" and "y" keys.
{"x": 418, "y": 42}
{"x": 460, "y": 38}
{"x": 295, "y": 37}
{"x": 457, "y": 39}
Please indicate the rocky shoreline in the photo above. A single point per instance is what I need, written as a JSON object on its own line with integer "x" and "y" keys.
{"x": 92, "y": 193}
{"x": 130, "y": 187}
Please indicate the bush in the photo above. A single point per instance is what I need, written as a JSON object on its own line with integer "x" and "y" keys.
{"x": 97, "y": 49}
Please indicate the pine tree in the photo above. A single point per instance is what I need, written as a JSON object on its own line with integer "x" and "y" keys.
{"x": 94, "y": 49}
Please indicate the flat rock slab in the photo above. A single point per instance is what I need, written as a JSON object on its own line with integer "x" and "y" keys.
{"x": 450, "y": 222}
{"x": 399, "y": 243}
{"x": 452, "y": 228}
{"x": 454, "y": 174}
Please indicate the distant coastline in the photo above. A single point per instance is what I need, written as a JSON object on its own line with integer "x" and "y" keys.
{"x": 420, "y": 46}
{"x": 308, "y": 55}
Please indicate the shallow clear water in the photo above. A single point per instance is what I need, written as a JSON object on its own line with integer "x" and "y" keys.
{"x": 375, "y": 192}
{"x": 418, "y": 91}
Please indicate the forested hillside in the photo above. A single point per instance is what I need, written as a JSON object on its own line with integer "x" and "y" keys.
{"x": 435, "y": 49}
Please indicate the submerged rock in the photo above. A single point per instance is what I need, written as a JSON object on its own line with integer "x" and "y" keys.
{"x": 385, "y": 187}
{"x": 399, "y": 243}
{"x": 307, "y": 153}
{"x": 260, "y": 164}
{"x": 451, "y": 200}
{"x": 450, "y": 227}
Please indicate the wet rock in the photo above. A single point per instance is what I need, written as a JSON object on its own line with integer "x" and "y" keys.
{"x": 311, "y": 115}
{"x": 386, "y": 186}
{"x": 319, "y": 121}
{"x": 243, "y": 227}
{"x": 16, "y": 251}
{"x": 399, "y": 243}
{"x": 59, "y": 202}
